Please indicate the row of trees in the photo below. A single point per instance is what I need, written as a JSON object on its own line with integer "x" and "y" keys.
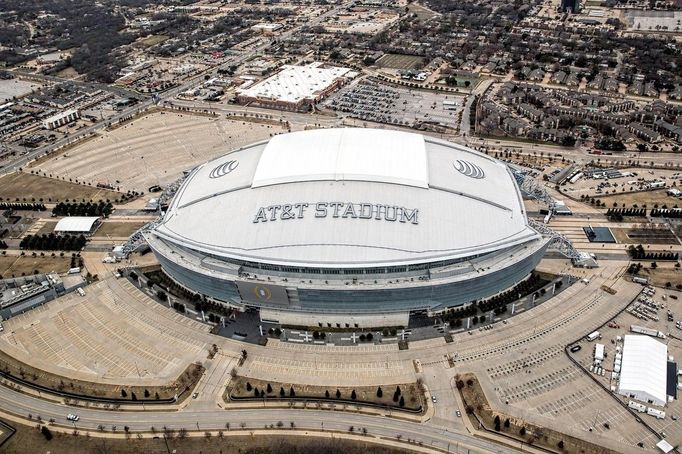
{"x": 666, "y": 213}
{"x": 638, "y": 253}
{"x": 530, "y": 285}
{"x": 83, "y": 209}
{"x": 590, "y": 200}
{"x": 369, "y": 337}
{"x": 22, "y": 206}
{"x": 457, "y": 322}
{"x": 133, "y": 396}
{"x": 498, "y": 303}
{"x": 268, "y": 391}
{"x": 163, "y": 281}
{"x": 522, "y": 430}
{"x": 620, "y": 212}
{"x": 76, "y": 260}
{"x": 53, "y": 242}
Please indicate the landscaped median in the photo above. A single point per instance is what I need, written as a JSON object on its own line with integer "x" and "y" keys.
{"x": 407, "y": 397}
{"x": 31, "y": 377}
{"x": 498, "y": 424}
{"x": 277, "y": 439}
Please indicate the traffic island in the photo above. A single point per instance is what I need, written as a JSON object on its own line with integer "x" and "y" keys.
{"x": 407, "y": 397}
{"x": 34, "y": 379}
{"x": 503, "y": 427}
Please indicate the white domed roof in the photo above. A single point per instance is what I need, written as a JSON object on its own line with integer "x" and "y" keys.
{"x": 348, "y": 198}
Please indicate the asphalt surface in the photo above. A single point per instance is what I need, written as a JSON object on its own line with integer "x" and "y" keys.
{"x": 216, "y": 419}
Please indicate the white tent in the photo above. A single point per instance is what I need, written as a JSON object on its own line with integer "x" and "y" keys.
{"x": 664, "y": 446}
{"x": 76, "y": 224}
{"x": 643, "y": 371}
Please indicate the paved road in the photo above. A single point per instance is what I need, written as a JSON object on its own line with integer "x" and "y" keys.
{"x": 300, "y": 118}
{"x": 427, "y": 434}
{"x": 465, "y": 124}
{"x": 579, "y": 155}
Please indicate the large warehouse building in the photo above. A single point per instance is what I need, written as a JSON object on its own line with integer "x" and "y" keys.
{"x": 355, "y": 227}
{"x": 295, "y": 87}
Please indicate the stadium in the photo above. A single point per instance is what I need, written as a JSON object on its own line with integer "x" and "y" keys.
{"x": 347, "y": 227}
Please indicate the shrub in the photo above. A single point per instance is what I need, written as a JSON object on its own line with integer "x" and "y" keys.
{"x": 46, "y": 433}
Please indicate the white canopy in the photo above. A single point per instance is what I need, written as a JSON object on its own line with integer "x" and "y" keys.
{"x": 76, "y": 224}
{"x": 643, "y": 372}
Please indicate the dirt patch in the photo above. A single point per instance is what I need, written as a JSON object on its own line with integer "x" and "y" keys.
{"x": 118, "y": 229}
{"x": 12, "y": 368}
{"x": 422, "y": 12}
{"x": 644, "y": 236}
{"x": 241, "y": 388}
{"x": 661, "y": 276}
{"x": 152, "y": 40}
{"x": 29, "y": 440}
{"x": 648, "y": 198}
{"x": 478, "y": 410}
{"x": 541, "y": 162}
{"x": 399, "y": 61}
{"x": 14, "y": 265}
{"x": 68, "y": 73}
{"x": 28, "y": 187}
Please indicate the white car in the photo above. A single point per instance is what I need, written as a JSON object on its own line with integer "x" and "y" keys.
{"x": 72, "y": 417}
{"x": 433, "y": 398}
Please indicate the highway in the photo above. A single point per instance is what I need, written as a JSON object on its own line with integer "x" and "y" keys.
{"x": 427, "y": 434}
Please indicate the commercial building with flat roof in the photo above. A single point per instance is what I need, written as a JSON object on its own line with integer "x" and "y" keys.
{"x": 294, "y": 87}
{"x": 61, "y": 119}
